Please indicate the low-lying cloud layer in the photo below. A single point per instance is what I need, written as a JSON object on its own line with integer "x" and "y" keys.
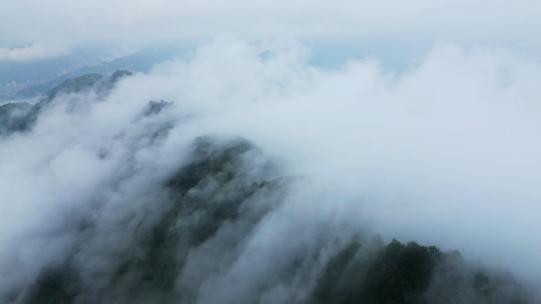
{"x": 445, "y": 153}
{"x": 31, "y": 53}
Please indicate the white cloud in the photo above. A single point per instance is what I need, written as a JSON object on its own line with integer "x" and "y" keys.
{"x": 31, "y": 53}
{"x": 445, "y": 154}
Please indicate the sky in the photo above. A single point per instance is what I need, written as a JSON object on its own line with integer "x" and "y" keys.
{"x": 33, "y": 29}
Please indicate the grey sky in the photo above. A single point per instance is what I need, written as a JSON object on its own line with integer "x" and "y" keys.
{"x": 59, "y": 24}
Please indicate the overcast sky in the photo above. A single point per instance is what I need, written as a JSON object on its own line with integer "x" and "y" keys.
{"x": 33, "y": 29}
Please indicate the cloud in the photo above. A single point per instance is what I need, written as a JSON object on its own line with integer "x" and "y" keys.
{"x": 445, "y": 153}
{"x": 31, "y": 53}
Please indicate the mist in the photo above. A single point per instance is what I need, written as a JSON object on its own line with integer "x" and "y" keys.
{"x": 444, "y": 153}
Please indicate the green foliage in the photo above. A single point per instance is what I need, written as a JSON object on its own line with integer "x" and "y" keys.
{"x": 12, "y": 117}
{"x": 410, "y": 274}
{"x": 75, "y": 85}
{"x": 55, "y": 286}
{"x": 400, "y": 274}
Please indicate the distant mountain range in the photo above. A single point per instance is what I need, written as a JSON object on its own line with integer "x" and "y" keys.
{"x": 28, "y": 80}
{"x": 20, "y": 116}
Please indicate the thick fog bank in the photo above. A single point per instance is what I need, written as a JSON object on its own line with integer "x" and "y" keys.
{"x": 247, "y": 175}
